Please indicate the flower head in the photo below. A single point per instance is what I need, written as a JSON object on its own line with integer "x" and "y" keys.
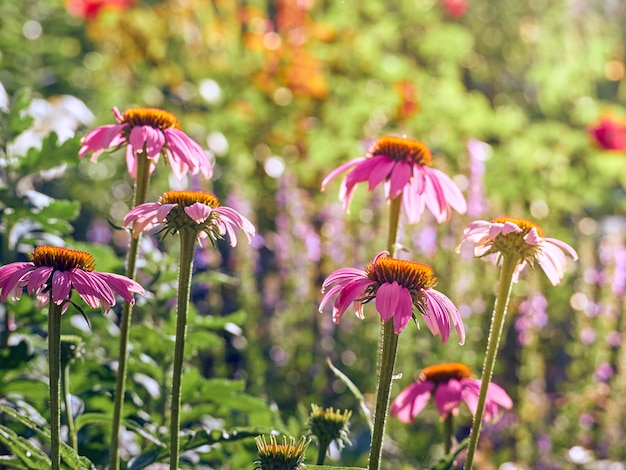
{"x": 54, "y": 272}
{"x": 152, "y": 133}
{"x": 520, "y": 238}
{"x": 90, "y": 9}
{"x": 609, "y": 132}
{"x": 396, "y": 285}
{"x": 403, "y": 166}
{"x": 450, "y": 384}
{"x": 328, "y": 425}
{"x": 286, "y": 456}
{"x": 198, "y": 210}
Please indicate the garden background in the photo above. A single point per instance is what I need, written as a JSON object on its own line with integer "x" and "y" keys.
{"x": 281, "y": 92}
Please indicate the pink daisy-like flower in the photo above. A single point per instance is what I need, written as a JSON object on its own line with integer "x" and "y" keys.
{"x": 151, "y": 132}
{"x": 521, "y": 238}
{"x": 196, "y": 209}
{"x": 56, "y": 271}
{"x": 396, "y": 285}
{"x": 450, "y": 383}
{"x": 403, "y": 165}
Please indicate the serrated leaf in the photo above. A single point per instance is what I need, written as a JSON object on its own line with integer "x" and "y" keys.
{"x": 32, "y": 457}
{"x": 18, "y": 122}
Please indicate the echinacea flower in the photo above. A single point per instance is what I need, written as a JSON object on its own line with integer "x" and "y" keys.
{"x": 396, "y": 286}
{"x": 151, "y": 132}
{"x": 403, "y": 166}
{"x": 520, "y": 238}
{"x": 450, "y": 384}
{"x": 55, "y": 272}
{"x": 329, "y": 425}
{"x": 288, "y": 456}
{"x": 198, "y": 210}
{"x": 609, "y": 132}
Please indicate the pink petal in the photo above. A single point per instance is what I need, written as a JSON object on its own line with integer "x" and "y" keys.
{"x": 340, "y": 169}
{"x": 38, "y": 279}
{"x": 61, "y": 286}
{"x": 185, "y": 149}
{"x": 146, "y": 139}
{"x": 448, "y": 397}
{"x": 198, "y": 212}
{"x": 411, "y": 401}
{"x": 387, "y": 298}
{"x": 399, "y": 178}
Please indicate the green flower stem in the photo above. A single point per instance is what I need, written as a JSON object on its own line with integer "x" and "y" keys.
{"x": 321, "y": 453}
{"x": 447, "y": 433}
{"x": 188, "y": 238}
{"x": 387, "y": 357}
{"x": 54, "y": 363}
{"x": 141, "y": 190}
{"x": 509, "y": 263}
{"x": 67, "y": 397}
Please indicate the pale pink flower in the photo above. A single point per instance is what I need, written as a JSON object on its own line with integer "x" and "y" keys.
{"x": 450, "y": 384}
{"x": 396, "y": 286}
{"x": 521, "y": 238}
{"x": 196, "y": 209}
{"x": 151, "y": 132}
{"x": 403, "y": 166}
{"x": 56, "y": 271}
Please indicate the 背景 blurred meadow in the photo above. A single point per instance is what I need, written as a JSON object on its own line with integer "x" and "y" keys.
{"x": 522, "y": 104}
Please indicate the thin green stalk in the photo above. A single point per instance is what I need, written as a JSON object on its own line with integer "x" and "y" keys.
{"x": 447, "y": 433}
{"x": 321, "y": 453}
{"x": 188, "y": 238}
{"x": 54, "y": 363}
{"x": 67, "y": 397}
{"x": 387, "y": 356}
{"x": 509, "y": 263}
{"x": 141, "y": 190}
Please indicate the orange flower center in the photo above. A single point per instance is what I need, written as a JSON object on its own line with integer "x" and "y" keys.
{"x": 152, "y": 117}
{"x": 187, "y": 198}
{"x": 410, "y": 274}
{"x": 402, "y": 149}
{"x": 525, "y": 225}
{"x": 445, "y": 372}
{"x": 62, "y": 259}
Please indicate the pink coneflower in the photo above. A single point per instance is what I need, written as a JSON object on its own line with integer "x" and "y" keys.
{"x": 450, "y": 383}
{"x": 55, "y": 271}
{"x": 403, "y": 165}
{"x": 151, "y": 132}
{"x": 396, "y": 285}
{"x": 196, "y": 209}
{"x": 524, "y": 240}
{"x": 609, "y": 132}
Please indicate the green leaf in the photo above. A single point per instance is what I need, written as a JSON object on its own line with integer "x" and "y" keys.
{"x": 23, "y": 450}
{"x": 50, "y": 155}
{"x": 19, "y": 122}
{"x": 365, "y": 411}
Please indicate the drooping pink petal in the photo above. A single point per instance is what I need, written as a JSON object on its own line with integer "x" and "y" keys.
{"x": 552, "y": 261}
{"x": 399, "y": 178}
{"x": 380, "y": 168}
{"x": 411, "y": 401}
{"x": 563, "y": 246}
{"x": 451, "y": 192}
{"x": 198, "y": 212}
{"x": 61, "y": 287}
{"x": 38, "y": 279}
{"x": 141, "y": 211}
{"x": 340, "y": 169}
{"x": 340, "y": 275}
{"x": 448, "y": 397}
{"x": 387, "y": 297}
{"x": 146, "y": 139}
{"x": 185, "y": 149}
{"x": 101, "y": 138}
{"x": 404, "y": 312}
{"x": 351, "y": 291}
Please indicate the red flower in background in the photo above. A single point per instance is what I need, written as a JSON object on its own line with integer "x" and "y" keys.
{"x": 609, "y": 132}
{"x": 90, "y": 9}
{"x": 455, "y": 8}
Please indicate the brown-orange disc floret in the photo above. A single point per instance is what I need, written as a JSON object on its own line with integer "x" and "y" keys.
{"x": 62, "y": 259}
{"x": 445, "y": 372}
{"x": 402, "y": 149}
{"x": 152, "y": 117}
{"x": 410, "y": 274}
{"x": 187, "y": 198}
{"x": 524, "y": 224}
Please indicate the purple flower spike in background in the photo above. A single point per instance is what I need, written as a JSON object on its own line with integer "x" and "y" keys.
{"x": 196, "y": 209}
{"x": 523, "y": 239}
{"x": 152, "y": 132}
{"x": 449, "y": 384}
{"x": 403, "y": 165}
{"x": 396, "y": 286}
{"x": 55, "y": 271}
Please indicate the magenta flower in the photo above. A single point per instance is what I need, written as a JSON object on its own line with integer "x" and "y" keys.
{"x": 403, "y": 165}
{"x": 521, "y": 238}
{"x": 56, "y": 271}
{"x": 196, "y": 209}
{"x": 396, "y": 285}
{"x": 151, "y": 132}
{"x": 609, "y": 132}
{"x": 450, "y": 384}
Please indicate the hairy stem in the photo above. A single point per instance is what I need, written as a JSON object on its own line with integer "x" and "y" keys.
{"x": 54, "y": 363}
{"x": 509, "y": 263}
